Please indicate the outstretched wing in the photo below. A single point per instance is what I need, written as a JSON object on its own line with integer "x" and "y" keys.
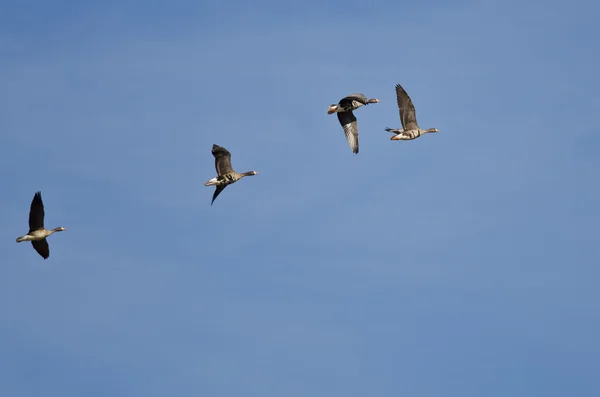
{"x": 348, "y": 122}
{"x": 218, "y": 191}
{"x": 41, "y": 246}
{"x": 36, "y": 213}
{"x": 408, "y": 116}
{"x": 222, "y": 160}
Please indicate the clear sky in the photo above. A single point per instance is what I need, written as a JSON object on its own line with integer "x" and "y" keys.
{"x": 464, "y": 263}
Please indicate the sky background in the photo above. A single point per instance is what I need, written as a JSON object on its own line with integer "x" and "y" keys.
{"x": 464, "y": 263}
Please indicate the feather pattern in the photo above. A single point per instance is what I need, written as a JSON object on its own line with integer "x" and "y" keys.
{"x": 344, "y": 110}
{"x": 222, "y": 160}
{"x": 354, "y": 101}
{"x": 226, "y": 175}
{"x": 350, "y": 126}
{"x": 408, "y": 116}
{"x": 37, "y": 232}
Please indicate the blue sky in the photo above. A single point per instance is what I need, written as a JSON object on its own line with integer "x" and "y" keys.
{"x": 464, "y": 263}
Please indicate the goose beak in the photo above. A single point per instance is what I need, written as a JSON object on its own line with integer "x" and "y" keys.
{"x": 332, "y": 109}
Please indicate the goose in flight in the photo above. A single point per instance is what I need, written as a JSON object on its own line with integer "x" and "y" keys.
{"x": 37, "y": 233}
{"x": 225, "y": 173}
{"x": 410, "y": 129}
{"x": 347, "y": 119}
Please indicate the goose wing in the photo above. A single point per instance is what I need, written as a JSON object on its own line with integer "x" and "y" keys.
{"x": 408, "y": 116}
{"x": 358, "y": 97}
{"x": 218, "y": 191}
{"x": 222, "y": 160}
{"x": 36, "y": 213}
{"x": 348, "y": 122}
{"x": 41, "y": 246}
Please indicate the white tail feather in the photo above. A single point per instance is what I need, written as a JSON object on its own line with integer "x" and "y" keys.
{"x": 211, "y": 182}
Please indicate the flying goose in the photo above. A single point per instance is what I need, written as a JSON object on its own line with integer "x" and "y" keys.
{"x": 347, "y": 119}
{"x": 410, "y": 128}
{"x": 225, "y": 173}
{"x": 37, "y": 233}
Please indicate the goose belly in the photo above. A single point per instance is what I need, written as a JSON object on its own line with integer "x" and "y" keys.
{"x": 33, "y": 236}
{"x": 227, "y": 179}
{"x": 409, "y": 135}
{"x": 221, "y": 180}
{"x": 40, "y": 234}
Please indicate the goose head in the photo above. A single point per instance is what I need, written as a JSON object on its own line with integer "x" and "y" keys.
{"x": 433, "y": 130}
{"x": 250, "y": 173}
{"x": 373, "y": 100}
{"x": 59, "y": 229}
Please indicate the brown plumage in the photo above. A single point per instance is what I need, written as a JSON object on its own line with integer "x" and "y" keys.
{"x": 408, "y": 117}
{"x": 225, "y": 172}
{"x": 346, "y": 117}
{"x": 37, "y": 233}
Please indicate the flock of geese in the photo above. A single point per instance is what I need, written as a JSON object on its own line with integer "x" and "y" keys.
{"x": 226, "y": 175}
{"x": 408, "y": 117}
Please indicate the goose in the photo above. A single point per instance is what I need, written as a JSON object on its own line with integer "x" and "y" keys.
{"x": 225, "y": 173}
{"x": 347, "y": 119}
{"x": 410, "y": 129}
{"x": 37, "y": 233}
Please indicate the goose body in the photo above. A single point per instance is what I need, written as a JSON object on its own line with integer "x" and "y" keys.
{"x": 37, "y": 233}
{"x": 226, "y": 175}
{"x": 346, "y": 117}
{"x": 410, "y": 129}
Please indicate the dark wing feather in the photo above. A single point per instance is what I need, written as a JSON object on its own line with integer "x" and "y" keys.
{"x": 408, "y": 116}
{"x": 41, "y": 246}
{"x": 348, "y": 122}
{"x": 354, "y": 97}
{"x": 222, "y": 160}
{"x": 36, "y": 213}
{"x": 218, "y": 191}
